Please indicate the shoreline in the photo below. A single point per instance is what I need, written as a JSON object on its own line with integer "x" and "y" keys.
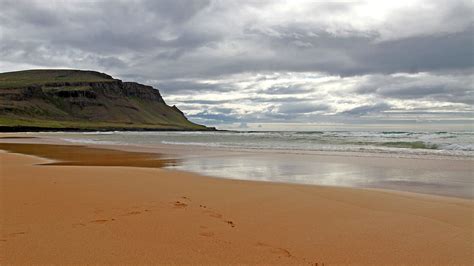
{"x": 152, "y": 160}
{"x": 228, "y": 149}
{"x": 28, "y": 129}
{"x": 181, "y": 149}
{"x": 80, "y": 214}
{"x": 365, "y": 166}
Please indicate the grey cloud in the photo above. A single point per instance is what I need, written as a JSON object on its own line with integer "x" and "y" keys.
{"x": 105, "y": 26}
{"x": 189, "y": 48}
{"x": 28, "y": 12}
{"x": 110, "y": 61}
{"x": 443, "y": 95}
{"x": 223, "y": 110}
{"x": 443, "y": 88}
{"x": 422, "y": 53}
{"x": 177, "y": 11}
{"x": 436, "y": 113}
{"x": 190, "y": 87}
{"x": 368, "y": 109}
{"x": 261, "y": 99}
{"x": 214, "y": 117}
{"x": 288, "y": 89}
{"x": 171, "y": 39}
{"x": 435, "y": 92}
{"x": 301, "y": 108}
{"x": 355, "y": 55}
{"x": 205, "y": 101}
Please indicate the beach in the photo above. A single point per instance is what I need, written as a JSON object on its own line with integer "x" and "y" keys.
{"x": 125, "y": 208}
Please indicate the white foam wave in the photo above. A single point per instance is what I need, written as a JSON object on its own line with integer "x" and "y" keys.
{"x": 89, "y": 141}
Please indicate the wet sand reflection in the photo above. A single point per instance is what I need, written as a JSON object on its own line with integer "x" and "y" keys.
{"x": 86, "y": 156}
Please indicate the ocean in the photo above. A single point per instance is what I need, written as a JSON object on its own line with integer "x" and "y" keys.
{"x": 436, "y": 162}
{"x": 447, "y": 144}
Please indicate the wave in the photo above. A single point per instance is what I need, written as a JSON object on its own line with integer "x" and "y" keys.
{"x": 90, "y": 141}
{"x": 385, "y": 142}
{"x": 309, "y": 133}
{"x": 409, "y": 145}
{"x": 397, "y": 133}
{"x": 457, "y": 147}
{"x": 191, "y": 143}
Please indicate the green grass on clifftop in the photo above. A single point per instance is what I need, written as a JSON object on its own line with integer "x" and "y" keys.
{"x": 43, "y": 76}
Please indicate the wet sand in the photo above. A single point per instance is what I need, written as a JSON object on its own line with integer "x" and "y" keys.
{"x": 126, "y": 209}
{"x": 88, "y": 156}
{"x": 443, "y": 176}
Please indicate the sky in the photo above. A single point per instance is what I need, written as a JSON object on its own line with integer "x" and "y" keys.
{"x": 264, "y": 64}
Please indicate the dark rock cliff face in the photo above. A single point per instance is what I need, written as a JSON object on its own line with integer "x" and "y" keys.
{"x": 108, "y": 103}
{"x": 116, "y": 88}
{"x": 133, "y": 89}
{"x": 90, "y": 90}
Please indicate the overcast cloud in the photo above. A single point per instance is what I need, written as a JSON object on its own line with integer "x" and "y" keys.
{"x": 237, "y": 63}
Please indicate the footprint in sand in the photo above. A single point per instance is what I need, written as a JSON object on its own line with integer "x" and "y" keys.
{"x": 281, "y": 252}
{"x": 214, "y": 214}
{"x": 230, "y": 223}
{"x": 16, "y": 234}
{"x": 78, "y": 225}
{"x": 207, "y": 234}
{"x": 100, "y": 221}
{"x": 136, "y": 210}
{"x": 178, "y": 204}
{"x": 132, "y": 213}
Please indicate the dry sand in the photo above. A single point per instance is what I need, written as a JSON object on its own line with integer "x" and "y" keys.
{"x": 112, "y": 214}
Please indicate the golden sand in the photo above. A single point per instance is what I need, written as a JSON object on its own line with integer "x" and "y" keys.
{"x": 113, "y": 213}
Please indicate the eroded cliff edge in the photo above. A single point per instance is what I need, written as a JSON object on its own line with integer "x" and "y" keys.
{"x": 34, "y": 100}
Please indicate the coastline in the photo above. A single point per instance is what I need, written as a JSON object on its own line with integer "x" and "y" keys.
{"x": 442, "y": 175}
{"x": 81, "y": 214}
{"x": 208, "y": 141}
{"x": 23, "y": 129}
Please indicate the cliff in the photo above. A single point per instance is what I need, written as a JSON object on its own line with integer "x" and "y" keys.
{"x": 83, "y": 100}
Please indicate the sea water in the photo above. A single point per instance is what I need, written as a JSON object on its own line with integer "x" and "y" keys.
{"x": 383, "y": 143}
{"x": 431, "y": 162}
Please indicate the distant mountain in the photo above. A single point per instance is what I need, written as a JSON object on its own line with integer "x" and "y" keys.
{"x": 83, "y": 100}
